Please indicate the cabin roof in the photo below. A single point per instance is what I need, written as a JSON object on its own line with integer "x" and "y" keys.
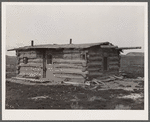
{"x": 87, "y": 45}
{"x": 56, "y": 46}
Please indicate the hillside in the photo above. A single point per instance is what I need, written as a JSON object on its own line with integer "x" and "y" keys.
{"x": 11, "y": 60}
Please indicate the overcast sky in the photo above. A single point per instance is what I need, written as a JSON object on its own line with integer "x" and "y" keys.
{"x": 121, "y": 25}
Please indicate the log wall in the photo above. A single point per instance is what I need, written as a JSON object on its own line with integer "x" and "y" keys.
{"x": 79, "y": 64}
{"x": 113, "y": 60}
{"x": 95, "y": 63}
{"x": 34, "y": 66}
{"x": 69, "y": 64}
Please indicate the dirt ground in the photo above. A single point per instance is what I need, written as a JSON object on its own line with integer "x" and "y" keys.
{"x": 126, "y": 94}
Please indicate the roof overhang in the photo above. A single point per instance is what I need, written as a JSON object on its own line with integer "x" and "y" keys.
{"x": 127, "y": 48}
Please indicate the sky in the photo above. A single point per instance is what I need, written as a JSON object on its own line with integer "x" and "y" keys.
{"x": 122, "y": 25}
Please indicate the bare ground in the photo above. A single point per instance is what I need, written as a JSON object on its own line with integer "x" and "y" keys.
{"x": 118, "y": 94}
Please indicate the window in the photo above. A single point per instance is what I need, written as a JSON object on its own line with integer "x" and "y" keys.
{"x": 49, "y": 59}
{"x": 83, "y": 56}
{"x": 25, "y": 60}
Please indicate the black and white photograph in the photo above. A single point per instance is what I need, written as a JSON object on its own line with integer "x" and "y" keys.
{"x": 75, "y": 60}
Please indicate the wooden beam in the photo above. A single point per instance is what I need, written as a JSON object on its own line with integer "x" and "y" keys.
{"x": 126, "y": 48}
{"x": 71, "y": 71}
{"x": 31, "y": 65}
{"x": 69, "y": 61}
{"x": 67, "y": 66}
{"x": 108, "y": 46}
{"x": 68, "y": 76}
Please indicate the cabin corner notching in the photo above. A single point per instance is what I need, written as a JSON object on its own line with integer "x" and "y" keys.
{"x": 80, "y": 62}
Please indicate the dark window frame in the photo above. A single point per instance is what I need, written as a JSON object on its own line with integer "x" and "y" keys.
{"x": 25, "y": 60}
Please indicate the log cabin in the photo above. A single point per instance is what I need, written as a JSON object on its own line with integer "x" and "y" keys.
{"x": 77, "y": 62}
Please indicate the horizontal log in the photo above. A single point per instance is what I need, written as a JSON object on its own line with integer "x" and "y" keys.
{"x": 67, "y": 66}
{"x": 94, "y": 63}
{"x": 67, "y": 56}
{"x": 30, "y": 74}
{"x": 113, "y": 55}
{"x": 97, "y": 58}
{"x": 71, "y": 51}
{"x": 114, "y": 58}
{"x": 125, "y": 48}
{"x": 95, "y": 54}
{"x": 68, "y": 76}
{"x": 113, "y": 67}
{"x": 108, "y": 46}
{"x": 33, "y": 60}
{"x": 31, "y": 64}
{"x": 28, "y": 55}
{"x": 112, "y": 63}
{"x": 27, "y": 51}
{"x": 94, "y": 69}
{"x": 30, "y": 69}
{"x": 95, "y": 74}
{"x": 69, "y": 61}
{"x": 69, "y": 71}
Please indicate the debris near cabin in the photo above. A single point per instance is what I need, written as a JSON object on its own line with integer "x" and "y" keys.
{"x": 112, "y": 92}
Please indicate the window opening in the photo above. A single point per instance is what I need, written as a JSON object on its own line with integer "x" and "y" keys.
{"x": 25, "y": 60}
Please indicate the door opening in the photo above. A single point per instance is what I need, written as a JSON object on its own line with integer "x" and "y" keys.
{"x": 49, "y": 67}
{"x": 105, "y": 62}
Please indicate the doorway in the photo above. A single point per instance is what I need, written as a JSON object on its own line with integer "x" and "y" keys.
{"x": 105, "y": 63}
{"x": 49, "y": 67}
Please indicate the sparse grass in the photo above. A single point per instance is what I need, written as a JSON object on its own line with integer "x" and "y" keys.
{"x": 18, "y": 96}
{"x": 133, "y": 71}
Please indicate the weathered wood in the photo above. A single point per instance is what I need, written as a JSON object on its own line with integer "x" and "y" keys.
{"x": 37, "y": 59}
{"x": 28, "y": 55}
{"x": 29, "y": 74}
{"x": 84, "y": 74}
{"x": 69, "y": 61}
{"x": 112, "y": 63}
{"x": 125, "y": 48}
{"x": 67, "y": 56}
{"x": 31, "y": 64}
{"x": 113, "y": 58}
{"x": 108, "y": 46}
{"x": 112, "y": 55}
{"x": 67, "y": 66}
{"x": 95, "y": 63}
{"x": 113, "y": 67}
{"x": 94, "y": 69}
{"x": 95, "y": 74}
{"x": 69, "y": 76}
{"x": 97, "y": 58}
{"x": 71, "y": 71}
{"x": 71, "y": 51}
{"x": 76, "y": 56}
{"x": 27, "y": 51}
{"x": 33, "y": 60}
{"x": 91, "y": 54}
{"x": 30, "y": 69}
